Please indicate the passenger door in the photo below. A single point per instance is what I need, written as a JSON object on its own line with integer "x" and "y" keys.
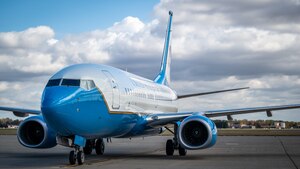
{"x": 115, "y": 90}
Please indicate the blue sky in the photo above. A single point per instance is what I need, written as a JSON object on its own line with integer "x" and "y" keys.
{"x": 70, "y": 16}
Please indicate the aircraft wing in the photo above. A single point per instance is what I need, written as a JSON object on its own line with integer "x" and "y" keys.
{"x": 19, "y": 112}
{"x": 207, "y": 93}
{"x": 267, "y": 109}
{"x": 169, "y": 118}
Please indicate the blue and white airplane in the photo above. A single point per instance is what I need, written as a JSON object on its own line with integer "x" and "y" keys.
{"x": 84, "y": 103}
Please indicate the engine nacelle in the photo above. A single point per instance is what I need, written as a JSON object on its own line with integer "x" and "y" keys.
{"x": 197, "y": 132}
{"x": 34, "y": 133}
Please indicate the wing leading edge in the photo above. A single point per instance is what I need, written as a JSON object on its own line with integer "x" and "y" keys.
{"x": 267, "y": 109}
{"x": 169, "y": 118}
{"x": 19, "y": 112}
{"x": 207, "y": 93}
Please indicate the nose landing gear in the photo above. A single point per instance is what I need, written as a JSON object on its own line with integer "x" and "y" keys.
{"x": 79, "y": 152}
{"x": 81, "y": 146}
{"x": 76, "y": 155}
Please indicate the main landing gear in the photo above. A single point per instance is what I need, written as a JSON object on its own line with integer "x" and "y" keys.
{"x": 172, "y": 144}
{"x": 78, "y": 154}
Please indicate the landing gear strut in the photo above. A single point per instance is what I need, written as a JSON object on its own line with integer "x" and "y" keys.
{"x": 172, "y": 144}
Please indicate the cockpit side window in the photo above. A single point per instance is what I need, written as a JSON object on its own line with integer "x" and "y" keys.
{"x": 87, "y": 84}
{"x": 70, "y": 82}
{"x": 53, "y": 82}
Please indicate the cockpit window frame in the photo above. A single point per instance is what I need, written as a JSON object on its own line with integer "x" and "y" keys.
{"x": 86, "y": 84}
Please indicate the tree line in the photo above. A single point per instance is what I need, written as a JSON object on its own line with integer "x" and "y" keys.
{"x": 256, "y": 123}
{"x": 6, "y": 122}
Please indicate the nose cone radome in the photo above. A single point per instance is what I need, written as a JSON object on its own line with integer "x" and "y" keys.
{"x": 58, "y": 103}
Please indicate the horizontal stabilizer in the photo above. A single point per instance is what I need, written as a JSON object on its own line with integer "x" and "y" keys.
{"x": 207, "y": 93}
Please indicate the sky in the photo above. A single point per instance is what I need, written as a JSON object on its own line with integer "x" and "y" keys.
{"x": 215, "y": 45}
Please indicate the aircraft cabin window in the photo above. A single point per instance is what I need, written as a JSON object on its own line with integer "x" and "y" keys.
{"x": 70, "y": 82}
{"x": 53, "y": 82}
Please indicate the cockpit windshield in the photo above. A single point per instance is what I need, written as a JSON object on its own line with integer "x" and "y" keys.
{"x": 70, "y": 82}
{"x": 53, "y": 82}
{"x": 85, "y": 84}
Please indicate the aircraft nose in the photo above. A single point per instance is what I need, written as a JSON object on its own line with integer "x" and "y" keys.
{"x": 56, "y": 96}
{"x": 57, "y": 105}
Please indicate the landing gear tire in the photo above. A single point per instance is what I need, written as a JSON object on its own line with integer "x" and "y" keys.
{"x": 72, "y": 157}
{"x": 88, "y": 147}
{"x": 181, "y": 150}
{"x": 170, "y": 147}
{"x": 99, "y": 147}
{"x": 80, "y": 157}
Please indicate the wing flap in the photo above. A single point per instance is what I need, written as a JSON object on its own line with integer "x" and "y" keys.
{"x": 20, "y": 112}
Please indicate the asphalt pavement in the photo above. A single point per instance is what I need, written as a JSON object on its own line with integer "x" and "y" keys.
{"x": 232, "y": 152}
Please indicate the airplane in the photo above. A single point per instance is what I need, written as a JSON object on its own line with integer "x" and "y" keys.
{"x": 84, "y": 103}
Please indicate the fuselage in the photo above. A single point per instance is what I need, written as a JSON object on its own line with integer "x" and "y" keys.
{"x": 97, "y": 101}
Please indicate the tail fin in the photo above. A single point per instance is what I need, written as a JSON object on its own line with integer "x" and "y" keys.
{"x": 164, "y": 75}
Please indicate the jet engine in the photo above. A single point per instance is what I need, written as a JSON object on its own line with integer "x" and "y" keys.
{"x": 34, "y": 133}
{"x": 197, "y": 132}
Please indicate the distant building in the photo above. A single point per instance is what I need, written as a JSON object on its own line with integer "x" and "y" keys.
{"x": 12, "y": 126}
{"x": 234, "y": 124}
{"x": 245, "y": 126}
{"x": 279, "y": 124}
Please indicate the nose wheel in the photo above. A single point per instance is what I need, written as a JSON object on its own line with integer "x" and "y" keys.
{"x": 80, "y": 157}
{"x": 76, "y": 155}
{"x": 72, "y": 157}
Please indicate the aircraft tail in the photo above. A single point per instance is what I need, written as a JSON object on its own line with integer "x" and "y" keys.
{"x": 164, "y": 75}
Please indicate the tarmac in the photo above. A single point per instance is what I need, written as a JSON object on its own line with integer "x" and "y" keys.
{"x": 232, "y": 152}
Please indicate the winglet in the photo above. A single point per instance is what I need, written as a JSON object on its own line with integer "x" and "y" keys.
{"x": 164, "y": 75}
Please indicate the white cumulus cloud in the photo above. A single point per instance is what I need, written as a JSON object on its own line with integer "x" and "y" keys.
{"x": 215, "y": 45}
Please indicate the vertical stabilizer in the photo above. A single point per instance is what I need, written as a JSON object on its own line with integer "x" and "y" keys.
{"x": 164, "y": 75}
